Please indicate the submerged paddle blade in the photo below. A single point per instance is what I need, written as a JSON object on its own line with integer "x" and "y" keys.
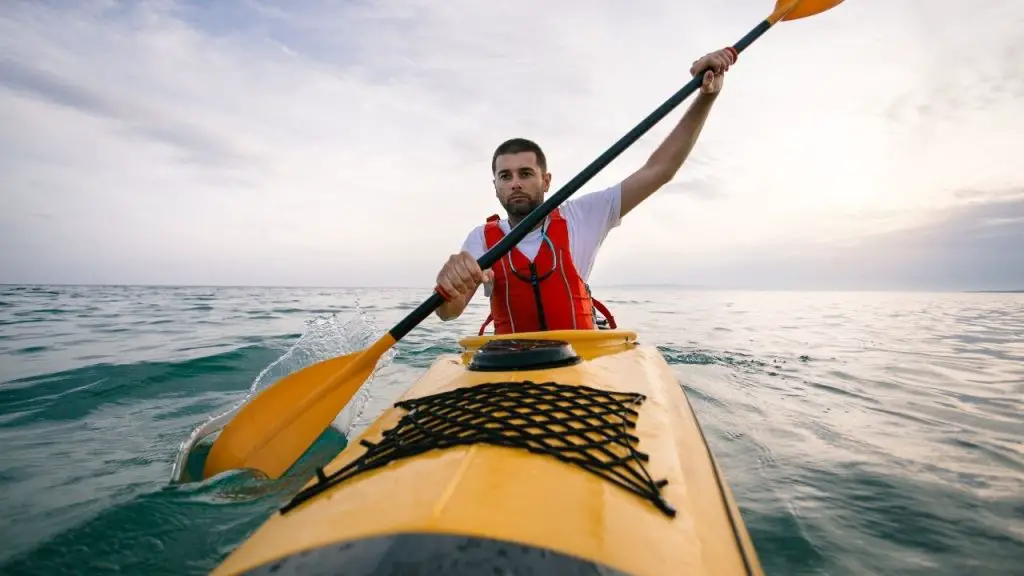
{"x": 796, "y": 9}
{"x": 275, "y": 428}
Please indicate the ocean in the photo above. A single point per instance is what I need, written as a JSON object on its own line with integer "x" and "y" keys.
{"x": 861, "y": 433}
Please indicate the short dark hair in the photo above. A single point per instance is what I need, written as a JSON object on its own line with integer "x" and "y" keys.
{"x": 515, "y": 146}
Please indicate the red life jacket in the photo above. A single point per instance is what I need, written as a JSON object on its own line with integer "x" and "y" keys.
{"x": 546, "y": 294}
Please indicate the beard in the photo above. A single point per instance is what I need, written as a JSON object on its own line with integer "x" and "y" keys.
{"x": 520, "y": 207}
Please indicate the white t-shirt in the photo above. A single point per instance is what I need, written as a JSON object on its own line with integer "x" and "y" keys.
{"x": 589, "y": 218}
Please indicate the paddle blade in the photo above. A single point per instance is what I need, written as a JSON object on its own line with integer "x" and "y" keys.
{"x": 276, "y": 427}
{"x": 785, "y": 10}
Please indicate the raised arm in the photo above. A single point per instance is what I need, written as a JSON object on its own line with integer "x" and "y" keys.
{"x": 663, "y": 164}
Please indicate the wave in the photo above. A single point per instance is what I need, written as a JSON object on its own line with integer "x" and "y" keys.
{"x": 324, "y": 337}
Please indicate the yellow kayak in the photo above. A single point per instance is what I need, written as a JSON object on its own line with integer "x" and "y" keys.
{"x": 566, "y": 452}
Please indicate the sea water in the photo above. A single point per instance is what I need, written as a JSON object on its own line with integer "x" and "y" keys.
{"x": 861, "y": 433}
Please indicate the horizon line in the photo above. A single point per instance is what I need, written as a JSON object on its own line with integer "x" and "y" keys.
{"x": 685, "y": 287}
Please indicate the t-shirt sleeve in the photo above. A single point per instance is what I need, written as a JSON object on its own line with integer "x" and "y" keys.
{"x": 591, "y": 217}
{"x": 474, "y": 243}
{"x": 598, "y": 212}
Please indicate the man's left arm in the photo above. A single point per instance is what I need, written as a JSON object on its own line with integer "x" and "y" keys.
{"x": 663, "y": 164}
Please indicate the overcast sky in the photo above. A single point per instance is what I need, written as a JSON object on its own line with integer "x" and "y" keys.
{"x": 349, "y": 143}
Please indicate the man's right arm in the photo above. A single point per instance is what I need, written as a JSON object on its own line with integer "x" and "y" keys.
{"x": 461, "y": 277}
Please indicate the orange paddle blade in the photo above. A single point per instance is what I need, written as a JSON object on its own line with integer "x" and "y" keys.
{"x": 796, "y": 9}
{"x": 278, "y": 425}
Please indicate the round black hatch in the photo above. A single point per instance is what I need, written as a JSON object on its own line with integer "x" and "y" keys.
{"x": 515, "y": 354}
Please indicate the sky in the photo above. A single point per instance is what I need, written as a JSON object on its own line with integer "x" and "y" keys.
{"x": 876, "y": 145}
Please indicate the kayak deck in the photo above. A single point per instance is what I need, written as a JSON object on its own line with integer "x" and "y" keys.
{"x": 577, "y": 452}
{"x": 585, "y": 426}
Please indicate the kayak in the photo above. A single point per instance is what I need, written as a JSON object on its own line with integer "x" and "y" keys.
{"x": 560, "y": 452}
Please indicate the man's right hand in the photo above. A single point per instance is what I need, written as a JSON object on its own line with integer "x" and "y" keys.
{"x": 461, "y": 276}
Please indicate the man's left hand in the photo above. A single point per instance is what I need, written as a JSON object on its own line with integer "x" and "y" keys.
{"x": 718, "y": 62}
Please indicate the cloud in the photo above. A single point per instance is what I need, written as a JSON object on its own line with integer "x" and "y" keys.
{"x": 976, "y": 245}
{"x": 348, "y": 143}
{"x": 192, "y": 142}
{"x": 702, "y": 188}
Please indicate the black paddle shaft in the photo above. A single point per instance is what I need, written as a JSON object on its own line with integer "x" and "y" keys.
{"x": 533, "y": 218}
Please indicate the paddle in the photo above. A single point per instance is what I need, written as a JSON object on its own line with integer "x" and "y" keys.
{"x": 277, "y": 426}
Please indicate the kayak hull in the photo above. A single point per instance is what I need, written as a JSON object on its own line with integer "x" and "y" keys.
{"x": 576, "y": 454}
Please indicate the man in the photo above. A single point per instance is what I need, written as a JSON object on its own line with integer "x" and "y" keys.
{"x": 541, "y": 284}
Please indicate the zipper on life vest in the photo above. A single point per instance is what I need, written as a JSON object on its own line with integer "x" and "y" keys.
{"x": 536, "y": 296}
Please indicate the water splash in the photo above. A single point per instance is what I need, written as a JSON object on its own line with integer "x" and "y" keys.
{"x": 324, "y": 337}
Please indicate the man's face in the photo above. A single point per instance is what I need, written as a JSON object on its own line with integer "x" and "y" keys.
{"x": 520, "y": 183}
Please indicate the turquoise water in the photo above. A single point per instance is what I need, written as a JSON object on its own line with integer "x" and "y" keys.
{"x": 862, "y": 433}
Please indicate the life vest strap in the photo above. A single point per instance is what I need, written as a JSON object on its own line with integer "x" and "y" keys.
{"x": 600, "y": 307}
{"x": 490, "y": 318}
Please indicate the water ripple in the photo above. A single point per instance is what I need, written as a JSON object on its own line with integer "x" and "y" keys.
{"x": 862, "y": 433}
